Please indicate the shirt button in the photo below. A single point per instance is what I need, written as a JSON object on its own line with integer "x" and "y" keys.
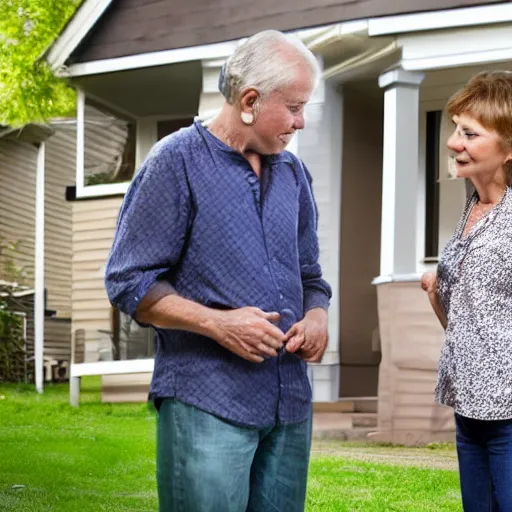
{"x": 281, "y": 296}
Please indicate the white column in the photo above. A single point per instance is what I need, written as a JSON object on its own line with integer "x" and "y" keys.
{"x": 147, "y": 136}
{"x": 80, "y": 142}
{"x": 319, "y": 146}
{"x": 39, "y": 272}
{"x": 400, "y": 173}
{"x": 211, "y": 100}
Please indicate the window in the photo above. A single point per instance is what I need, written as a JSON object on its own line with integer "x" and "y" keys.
{"x": 109, "y": 148}
{"x": 167, "y": 127}
{"x": 432, "y": 184}
{"x": 129, "y": 339}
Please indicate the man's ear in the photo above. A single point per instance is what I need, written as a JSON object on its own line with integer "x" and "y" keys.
{"x": 249, "y": 105}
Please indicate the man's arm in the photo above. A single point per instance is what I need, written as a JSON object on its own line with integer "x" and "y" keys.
{"x": 247, "y": 332}
{"x": 153, "y": 222}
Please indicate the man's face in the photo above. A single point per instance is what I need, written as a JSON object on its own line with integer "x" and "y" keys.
{"x": 281, "y": 113}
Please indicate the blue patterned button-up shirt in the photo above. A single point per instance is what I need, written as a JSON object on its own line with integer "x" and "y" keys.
{"x": 198, "y": 217}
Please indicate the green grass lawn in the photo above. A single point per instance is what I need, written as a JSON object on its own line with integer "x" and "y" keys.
{"x": 101, "y": 457}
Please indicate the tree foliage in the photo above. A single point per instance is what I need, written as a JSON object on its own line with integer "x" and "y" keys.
{"x": 29, "y": 92}
{"x": 13, "y": 366}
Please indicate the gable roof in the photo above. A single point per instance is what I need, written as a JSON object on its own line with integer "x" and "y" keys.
{"x": 75, "y": 31}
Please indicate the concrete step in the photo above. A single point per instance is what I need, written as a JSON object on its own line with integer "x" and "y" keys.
{"x": 330, "y": 422}
{"x": 362, "y": 404}
{"x": 347, "y": 426}
{"x": 350, "y": 434}
{"x": 364, "y": 419}
{"x": 324, "y": 421}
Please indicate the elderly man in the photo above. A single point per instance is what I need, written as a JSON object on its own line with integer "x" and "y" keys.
{"x": 216, "y": 247}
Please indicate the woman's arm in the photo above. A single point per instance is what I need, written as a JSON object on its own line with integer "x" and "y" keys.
{"x": 429, "y": 284}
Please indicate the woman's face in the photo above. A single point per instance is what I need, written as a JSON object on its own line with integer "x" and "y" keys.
{"x": 477, "y": 151}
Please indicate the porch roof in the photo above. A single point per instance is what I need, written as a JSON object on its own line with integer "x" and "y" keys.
{"x": 173, "y": 89}
{"x": 108, "y": 29}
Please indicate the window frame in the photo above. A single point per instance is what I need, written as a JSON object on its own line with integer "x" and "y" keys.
{"x": 99, "y": 190}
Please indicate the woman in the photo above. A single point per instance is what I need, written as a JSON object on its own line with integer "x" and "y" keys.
{"x": 472, "y": 294}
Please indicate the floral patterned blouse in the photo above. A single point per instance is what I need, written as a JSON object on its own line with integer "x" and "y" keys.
{"x": 475, "y": 289}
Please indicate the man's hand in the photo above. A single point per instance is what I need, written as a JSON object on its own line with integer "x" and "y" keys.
{"x": 308, "y": 338}
{"x": 248, "y": 333}
{"x": 429, "y": 282}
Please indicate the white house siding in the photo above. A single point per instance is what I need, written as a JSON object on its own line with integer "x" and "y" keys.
{"x": 94, "y": 223}
{"x": 18, "y": 161}
{"x": 17, "y": 212}
{"x": 59, "y": 173}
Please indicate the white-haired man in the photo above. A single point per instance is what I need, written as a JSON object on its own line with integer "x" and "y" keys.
{"x": 216, "y": 247}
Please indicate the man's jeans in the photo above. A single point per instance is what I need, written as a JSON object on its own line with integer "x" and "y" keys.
{"x": 484, "y": 450}
{"x": 205, "y": 464}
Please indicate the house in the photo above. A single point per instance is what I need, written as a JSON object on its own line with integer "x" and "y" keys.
{"x": 374, "y": 143}
{"x": 36, "y": 164}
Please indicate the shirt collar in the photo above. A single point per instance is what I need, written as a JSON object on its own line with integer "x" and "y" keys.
{"x": 283, "y": 157}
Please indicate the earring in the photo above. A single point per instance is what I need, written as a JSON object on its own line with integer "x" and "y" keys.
{"x": 247, "y": 118}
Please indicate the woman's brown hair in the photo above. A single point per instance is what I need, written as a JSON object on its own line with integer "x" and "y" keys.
{"x": 488, "y": 98}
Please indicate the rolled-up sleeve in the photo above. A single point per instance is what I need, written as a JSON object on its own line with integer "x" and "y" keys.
{"x": 151, "y": 229}
{"x": 317, "y": 292}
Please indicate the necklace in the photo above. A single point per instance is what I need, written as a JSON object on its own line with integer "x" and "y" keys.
{"x": 479, "y": 212}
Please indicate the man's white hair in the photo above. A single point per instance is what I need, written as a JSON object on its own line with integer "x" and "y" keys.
{"x": 266, "y": 61}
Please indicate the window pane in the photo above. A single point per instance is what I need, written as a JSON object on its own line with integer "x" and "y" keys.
{"x": 124, "y": 340}
{"x": 432, "y": 184}
{"x": 130, "y": 340}
{"x": 109, "y": 147}
{"x": 165, "y": 128}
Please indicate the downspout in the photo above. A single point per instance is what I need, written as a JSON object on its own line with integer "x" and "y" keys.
{"x": 39, "y": 301}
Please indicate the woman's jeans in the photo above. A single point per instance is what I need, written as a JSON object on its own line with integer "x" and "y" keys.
{"x": 205, "y": 464}
{"x": 484, "y": 450}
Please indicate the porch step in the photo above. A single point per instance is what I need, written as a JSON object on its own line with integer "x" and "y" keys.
{"x": 351, "y": 434}
{"x": 343, "y": 426}
{"x": 359, "y": 404}
{"x": 364, "y": 419}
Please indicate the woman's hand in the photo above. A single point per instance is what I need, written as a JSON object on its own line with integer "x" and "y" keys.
{"x": 429, "y": 282}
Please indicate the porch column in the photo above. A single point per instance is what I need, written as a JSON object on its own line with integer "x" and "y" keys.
{"x": 39, "y": 305}
{"x": 319, "y": 146}
{"x": 400, "y": 174}
{"x": 80, "y": 141}
{"x": 211, "y": 100}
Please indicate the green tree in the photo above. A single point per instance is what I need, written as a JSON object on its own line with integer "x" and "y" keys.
{"x": 29, "y": 92}
{"x": 13, "y": 366}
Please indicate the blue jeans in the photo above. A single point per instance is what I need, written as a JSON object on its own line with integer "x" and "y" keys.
{"x": 205, "y": 464}
{"x": 484, "y": 449}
